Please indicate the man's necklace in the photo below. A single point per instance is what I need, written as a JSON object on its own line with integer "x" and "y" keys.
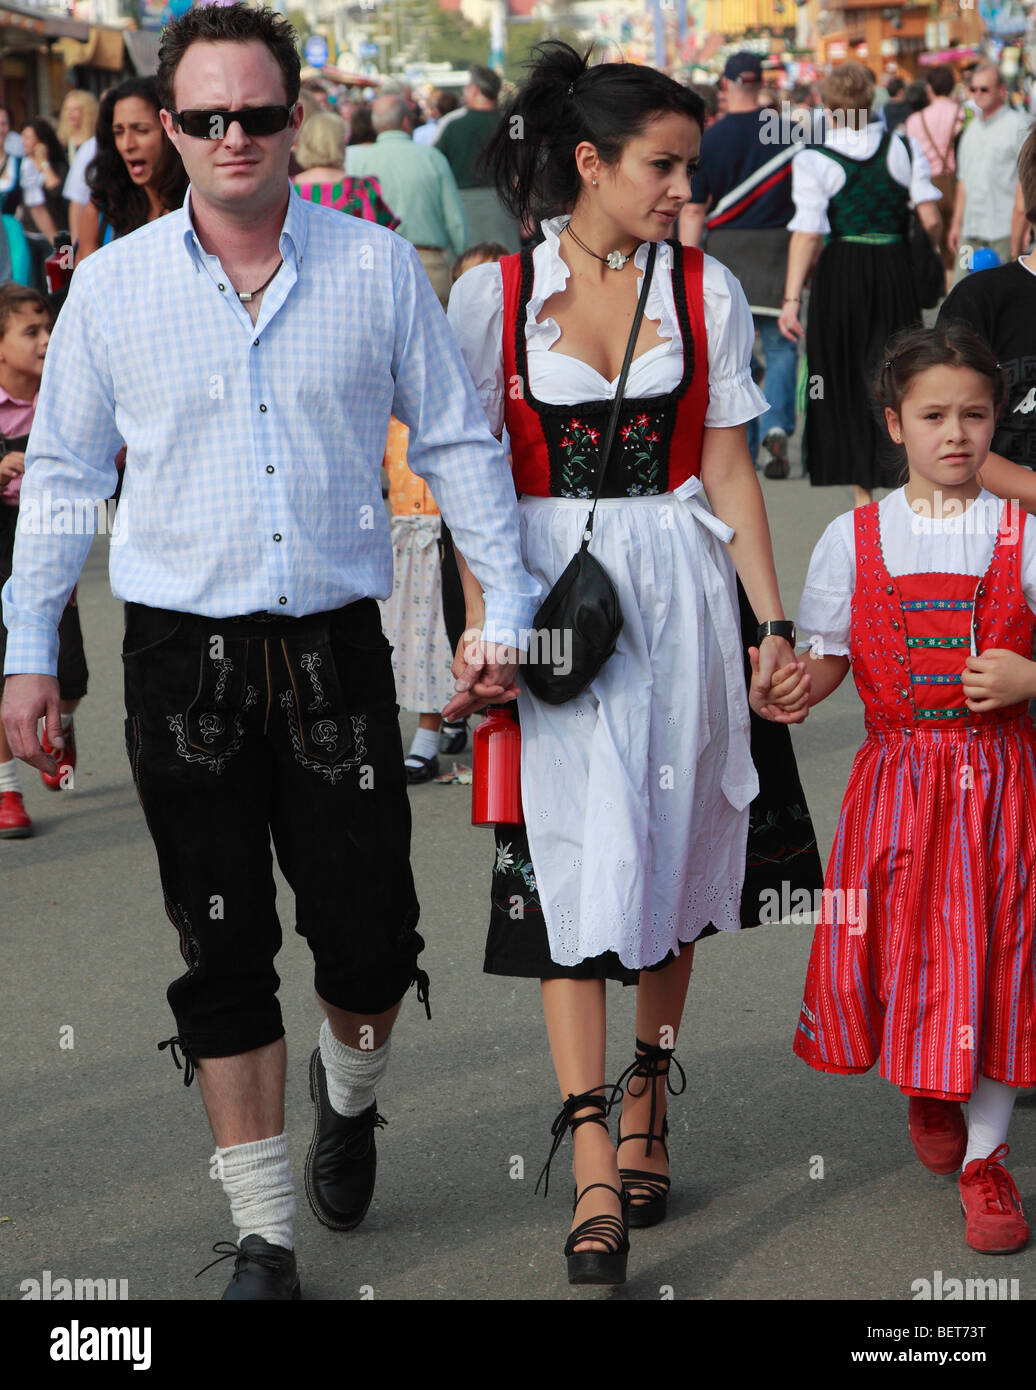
{"x": 615, "y": 260}
{"x": 246, "y": 295}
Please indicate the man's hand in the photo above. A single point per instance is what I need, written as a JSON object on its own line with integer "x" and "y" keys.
{"x": 12, "y": 465}
{"x": 997, "y": 678}
{"x": 27, "y": 699}
{"x": 484, "y": 675}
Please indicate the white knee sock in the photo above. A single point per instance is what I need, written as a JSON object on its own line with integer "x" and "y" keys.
{"x": 352, "y": 1074}
{"x": 989, "y": 1115}
{"x": 257, "y": 1179}
{"x": 9, "y": 779}
{"x": 425, "y": 744}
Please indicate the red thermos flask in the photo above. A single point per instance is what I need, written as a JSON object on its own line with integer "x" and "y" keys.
{"x": 496, "y": 782}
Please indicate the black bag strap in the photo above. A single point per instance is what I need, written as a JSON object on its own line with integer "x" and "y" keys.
{"x": 605, "y": 452}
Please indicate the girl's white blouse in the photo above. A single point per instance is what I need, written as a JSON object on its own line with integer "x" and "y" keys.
{"x": 476, "y": 314}
{"x": 911, "y": 543}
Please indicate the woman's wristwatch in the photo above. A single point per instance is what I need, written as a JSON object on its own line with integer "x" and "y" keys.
{"x": 779, "y": 628}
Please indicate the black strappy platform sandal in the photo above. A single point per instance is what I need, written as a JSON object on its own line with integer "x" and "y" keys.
{"x": 591, "y": 1266}
{"x": 648, "y": 1193}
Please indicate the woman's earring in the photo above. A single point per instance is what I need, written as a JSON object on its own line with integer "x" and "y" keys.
{"x": 595, "y": 183}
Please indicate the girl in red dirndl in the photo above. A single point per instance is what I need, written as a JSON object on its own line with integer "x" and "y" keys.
{"x": 923, "y": 957}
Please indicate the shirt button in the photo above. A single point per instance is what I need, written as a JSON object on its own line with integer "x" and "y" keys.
{"x": 270, "y": 468}
{"x": 889, "y": 589}
{"x": 895, "y": 625}
{"x": 222, "y": 287}
{"x": 262, "y": 409}
{"x": 904, "y": 693}
{"x": 276, "y": 535}
{"x": 282, "y": 600}
{"x": 256, "y": 343}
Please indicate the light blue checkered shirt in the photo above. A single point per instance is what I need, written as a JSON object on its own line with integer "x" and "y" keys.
{"x": 253, "y": 451}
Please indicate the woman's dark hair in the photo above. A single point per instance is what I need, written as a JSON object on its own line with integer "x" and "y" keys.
{"x": 941, "y": 80}
{"x": 361, "y": 126}
{"x": 914, "y": 350}
{"x": 236, "y": 23}
{"x": 124, "y": 203}
{"x": 48, "y": 137}
{"x": 563, "y": 102}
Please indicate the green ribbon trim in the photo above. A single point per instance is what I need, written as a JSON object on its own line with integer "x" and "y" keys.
{"x": 938, "y": 641}
{"x": 873, "y": 238}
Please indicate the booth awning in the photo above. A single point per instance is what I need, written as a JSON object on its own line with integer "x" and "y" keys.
{"x": 42, "y": 22}
{"x": 102, "y": 49}
{"x": 142, "y": 45}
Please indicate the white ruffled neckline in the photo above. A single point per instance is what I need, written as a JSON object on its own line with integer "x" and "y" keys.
{"x": 551, "y": 275}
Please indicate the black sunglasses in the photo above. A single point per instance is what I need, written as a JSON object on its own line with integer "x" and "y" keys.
{"x": 253, "y": 120}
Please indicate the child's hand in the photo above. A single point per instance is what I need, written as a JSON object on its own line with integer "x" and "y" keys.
{"x": 997, "y": 678}
{"x": 12, "y": 465}
{"x": 786, "y": 699}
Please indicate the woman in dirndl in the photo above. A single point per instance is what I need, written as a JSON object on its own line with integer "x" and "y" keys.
{"x": 637, "y": 793}
{"x": 856, "y": 189}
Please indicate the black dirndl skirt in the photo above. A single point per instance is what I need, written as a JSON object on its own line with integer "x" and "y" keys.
{"x": 861, "y": 294}
{"x": 782, "y": 849}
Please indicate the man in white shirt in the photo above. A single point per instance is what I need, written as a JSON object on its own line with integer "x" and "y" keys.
{"x": 987, "y": 172}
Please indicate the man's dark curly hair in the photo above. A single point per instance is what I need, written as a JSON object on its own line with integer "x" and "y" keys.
{"x": 239, "y": 23}
{"x": 125, "y": 204}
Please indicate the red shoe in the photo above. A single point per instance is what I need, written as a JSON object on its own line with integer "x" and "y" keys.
{"x": 938, "y": 1133}
{"x": 14, "y": 823}
{"x": 66, "y": 760}
{"x": 990, "y": 1202}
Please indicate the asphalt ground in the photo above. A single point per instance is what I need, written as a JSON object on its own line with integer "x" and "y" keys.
{"x": 787, "y": 1184}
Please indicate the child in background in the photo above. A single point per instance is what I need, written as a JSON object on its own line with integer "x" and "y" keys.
{"x": 923, "y": 956}
{"x": 25, "y": 324}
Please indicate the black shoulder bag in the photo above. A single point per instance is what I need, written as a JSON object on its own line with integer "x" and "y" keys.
{"x": 583, "y": 608}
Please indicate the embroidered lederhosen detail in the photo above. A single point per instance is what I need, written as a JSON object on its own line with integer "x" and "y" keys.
{"x": 325, "y": 737}
{"x": 554, "y": 447}
{"x": 210, "y": 731}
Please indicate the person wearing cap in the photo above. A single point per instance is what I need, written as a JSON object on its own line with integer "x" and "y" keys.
{"x": 463, "y": 142}
{"x": 741, "y": 199}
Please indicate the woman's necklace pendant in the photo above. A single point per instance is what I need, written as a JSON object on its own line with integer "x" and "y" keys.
{"x": 616, "y": 260}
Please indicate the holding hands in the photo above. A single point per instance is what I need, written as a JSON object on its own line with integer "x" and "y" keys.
{"x": 778, "y": 693}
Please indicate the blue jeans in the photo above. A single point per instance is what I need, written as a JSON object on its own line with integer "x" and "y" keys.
{"x": 781, "y": 366}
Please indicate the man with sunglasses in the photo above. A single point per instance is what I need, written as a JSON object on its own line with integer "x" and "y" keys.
{"x": 250, "y": 348}
{"x": 987, "y": 172}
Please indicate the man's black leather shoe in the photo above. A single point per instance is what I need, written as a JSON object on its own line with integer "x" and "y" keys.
{"x": 342, "y": 1159}
{"x": 262, "y": 1272}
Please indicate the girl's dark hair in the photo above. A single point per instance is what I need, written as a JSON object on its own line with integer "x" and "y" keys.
{"x": 48, "y": 137}
{"x": 913, "y": 350}
{"x": 563, "y": 102}
{"x": 126, "y": 205}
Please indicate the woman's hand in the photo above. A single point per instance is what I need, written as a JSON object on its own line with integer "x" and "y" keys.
{"x": 782, "y": 696}
{"x": 997, "y": 678}
{"x": 788, "y": 322}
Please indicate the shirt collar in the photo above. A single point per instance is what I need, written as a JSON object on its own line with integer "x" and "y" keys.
{"x": 292, "y": 240}
{"x": 5, "y": 397}
{"x": 387, "y": 135}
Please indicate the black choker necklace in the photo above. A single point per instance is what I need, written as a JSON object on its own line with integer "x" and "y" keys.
{"x": 615, "y": 260}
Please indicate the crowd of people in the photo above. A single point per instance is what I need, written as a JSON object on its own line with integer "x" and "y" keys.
{"x": 306, "y": 257}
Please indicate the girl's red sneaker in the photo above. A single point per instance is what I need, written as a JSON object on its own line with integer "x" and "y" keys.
{"x": 14, "y": 822}
{"x": 996, "y": 1224}
{"x": 938, "y": 1133}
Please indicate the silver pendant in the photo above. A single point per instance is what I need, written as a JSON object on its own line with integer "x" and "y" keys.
{"x": 244, "y": 298}
{"x": 616, "y": 260}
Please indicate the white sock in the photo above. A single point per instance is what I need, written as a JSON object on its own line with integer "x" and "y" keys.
{"x": 9, "y": 779}
{"x": 257, "y": 1179}
{"x": 352, "y": 1074}
{"x": 66, "y": 721}
{"x": 989, "y": 1115}
{"x": 425, "y": 744}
